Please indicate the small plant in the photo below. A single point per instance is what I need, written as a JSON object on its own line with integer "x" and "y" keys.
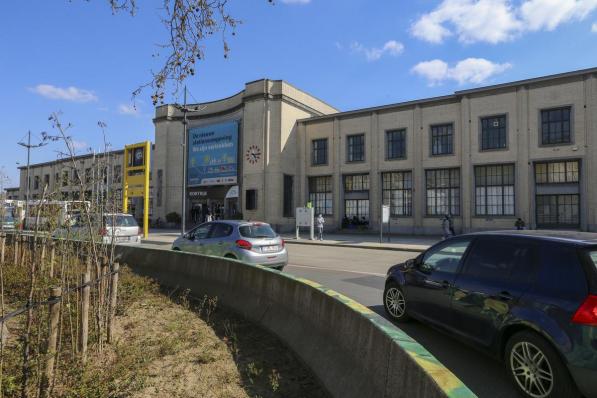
{"x": 274, "y": 380}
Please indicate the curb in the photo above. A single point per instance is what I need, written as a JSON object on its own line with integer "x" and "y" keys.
{"x": 397, "y": 249}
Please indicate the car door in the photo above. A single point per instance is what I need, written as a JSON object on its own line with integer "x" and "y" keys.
{"x": 496, "y": 272}
{"x": 429, "y": 290}
{"x": 217, "y": 243}
{"x": 196, "y": 238}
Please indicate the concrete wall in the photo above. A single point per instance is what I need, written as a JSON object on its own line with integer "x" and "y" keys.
{"x": 354, "y": 352}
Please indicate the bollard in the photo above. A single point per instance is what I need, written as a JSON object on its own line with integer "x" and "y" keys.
{"x": 84, "y": 330}
{"x": 47, "y": 377}
{"x": 113, "y": 301}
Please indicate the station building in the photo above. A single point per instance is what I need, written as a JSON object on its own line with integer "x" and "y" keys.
{"x": 486, "y": 156}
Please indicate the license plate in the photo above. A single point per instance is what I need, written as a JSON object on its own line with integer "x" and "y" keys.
{"x": 270, "y": 249}
{"x": 122, "y": 238}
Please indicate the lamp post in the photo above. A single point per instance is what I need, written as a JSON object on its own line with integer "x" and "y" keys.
{"x": 29, "y": 147}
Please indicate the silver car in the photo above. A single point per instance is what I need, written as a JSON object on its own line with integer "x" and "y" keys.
{"x": 117, "y": 227}
{"x": 251, "y": 242}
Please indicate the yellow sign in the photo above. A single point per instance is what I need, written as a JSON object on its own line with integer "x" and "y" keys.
{"x": 137, "y": 166}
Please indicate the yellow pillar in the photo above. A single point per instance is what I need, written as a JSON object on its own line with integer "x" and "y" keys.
{"x": 146, "y": 190}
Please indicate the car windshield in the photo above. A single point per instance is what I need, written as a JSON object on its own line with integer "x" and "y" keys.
{"x": 257, "y": 231}
{"x": 121, "y": 221}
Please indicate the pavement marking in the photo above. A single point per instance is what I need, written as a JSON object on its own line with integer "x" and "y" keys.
{"x": 336, "y": 269}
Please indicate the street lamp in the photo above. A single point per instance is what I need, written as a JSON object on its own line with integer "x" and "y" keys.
{"x": 183, "y": 108}
{"x": 29, "y": 146}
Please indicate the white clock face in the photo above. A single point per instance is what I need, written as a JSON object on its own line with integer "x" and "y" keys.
{"x": 138, "y": 155}
{"x": 253, "y": 154}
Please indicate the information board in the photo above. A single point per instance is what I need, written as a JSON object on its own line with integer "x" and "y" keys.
{"x": 304, "y": 217}
{"x": 213, "y": 154}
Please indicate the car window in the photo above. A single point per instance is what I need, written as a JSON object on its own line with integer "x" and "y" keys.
{"x": 257, "y": 231}
{"x": 121, "y": 221}
{"x": 446, "y": 257}
{"x": 498, "y": 259}
{"x": 220, "y": 230}
{"x": 560, "y": 272}
{"x": 200, "y": 232}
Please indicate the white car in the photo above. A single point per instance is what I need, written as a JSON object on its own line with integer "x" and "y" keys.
{"x": 114, "y": 227}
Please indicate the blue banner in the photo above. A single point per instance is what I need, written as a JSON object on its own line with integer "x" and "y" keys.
{"x": 213, "y": 154}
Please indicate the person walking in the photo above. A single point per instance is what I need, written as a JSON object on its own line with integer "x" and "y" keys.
{"x": 446, "y": 227}
{"x": 319, "y": 222}
{"x": 519, "y": 224}
{"x": 451, "y": 224}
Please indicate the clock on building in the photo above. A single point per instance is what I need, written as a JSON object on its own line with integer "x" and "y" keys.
{"x": 253, "y": 154}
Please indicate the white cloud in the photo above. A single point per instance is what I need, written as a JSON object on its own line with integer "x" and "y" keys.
{"x": 594, "y": 28}
{"x": 68, "y": 94}
{"x": 129, "y": 110}
{"x": 495, "y": 21}
{"x": 470, "y": 70}
{"x": 296, "y": 1}
{"x": 391, "y": 47}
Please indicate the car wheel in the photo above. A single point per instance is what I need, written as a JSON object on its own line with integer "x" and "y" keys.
{"x": 536, "y": 368}
{"x": 230, "y": 256}
{"x": 394, "y": 302}
{"x": 176, "y": 249}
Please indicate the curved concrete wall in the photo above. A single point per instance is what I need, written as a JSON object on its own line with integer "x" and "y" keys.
{"x": 353, "y": 351}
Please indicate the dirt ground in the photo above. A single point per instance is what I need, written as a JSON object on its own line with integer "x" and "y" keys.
{"x": 195, "y": 349}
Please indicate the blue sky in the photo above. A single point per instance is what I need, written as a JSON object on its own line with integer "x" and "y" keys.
{"x": 79, "y": 59}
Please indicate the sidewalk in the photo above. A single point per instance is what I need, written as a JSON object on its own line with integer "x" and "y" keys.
{"x": 407, "y": 243}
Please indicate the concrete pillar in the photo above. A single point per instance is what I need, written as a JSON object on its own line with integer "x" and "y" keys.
{"x": 337, "y": 146}
{"x": 467, "y": 174}
{"x": 375, "y": 152}
{"x": 418, "y": 171}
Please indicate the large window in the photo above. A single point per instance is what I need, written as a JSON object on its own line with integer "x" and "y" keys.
{"x": 288, "y": 196}
{"x": 493, "y": 133}
{"x": 355, "y": 148}
{"x": 397, "y": 192}
{"x": 395, "y": 144}
{"x": 319, "y": 152}
{"x": 555, "y": 126}
{"x": 355, "y": 183}
{"x": 442, "y": 139}
{"x": 558, "y": 211}
{"x": 443, "y": 192}
{"x": 320, "y": 194}
{"x": 494, "y": 190}
{"x": 557, "y": 172}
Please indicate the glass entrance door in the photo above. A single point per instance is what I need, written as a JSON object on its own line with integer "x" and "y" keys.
{"x": 357, "y": 211}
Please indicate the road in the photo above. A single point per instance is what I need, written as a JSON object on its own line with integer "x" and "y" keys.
{"x": 360, "y": 274}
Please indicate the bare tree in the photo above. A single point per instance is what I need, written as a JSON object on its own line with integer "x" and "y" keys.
{"x": 188, "y": 23}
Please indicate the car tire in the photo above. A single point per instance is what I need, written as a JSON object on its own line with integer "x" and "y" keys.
{"x": 176, "y": 249}
{"x": 394, "y": 302}
{"x": 230, "y": 256}
{"x": 536, "y": 368}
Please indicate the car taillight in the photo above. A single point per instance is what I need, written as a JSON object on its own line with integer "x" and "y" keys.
{"x": 587, "y": 312}
{"x": 243, "y": 244}
{"x": 283, "y": 243}
{"x": 103, "y": 232}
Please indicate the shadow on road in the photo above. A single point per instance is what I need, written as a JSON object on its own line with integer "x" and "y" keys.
{"x": 484, "y": 375}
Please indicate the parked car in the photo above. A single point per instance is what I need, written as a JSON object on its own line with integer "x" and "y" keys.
{"x": 7, "y": 220}
{"x": 251, "y": 242}
{"x": 527, "y": 297}
{"x": 108, "y": 228}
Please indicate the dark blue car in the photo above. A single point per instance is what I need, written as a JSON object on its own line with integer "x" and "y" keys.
{"x": 529, "y": 298}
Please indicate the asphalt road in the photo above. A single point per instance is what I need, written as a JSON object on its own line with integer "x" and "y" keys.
{"x": 360, "y": 274}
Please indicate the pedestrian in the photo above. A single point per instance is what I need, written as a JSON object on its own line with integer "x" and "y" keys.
{"x": 320, "y": 222}
{"x": 209, "y": 217}
{"x": 451, "y": 223}
{"x": 519, "y": 224}
{"x": 446, "y": 227}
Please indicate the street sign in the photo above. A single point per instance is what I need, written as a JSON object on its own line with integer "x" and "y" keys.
{"x": 137, "y": 166}
{"x": 385, "y": 211}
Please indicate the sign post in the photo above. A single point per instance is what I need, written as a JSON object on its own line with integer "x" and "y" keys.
{"x": 136, "y": 168}
{"x": 385, "y": 218}
{"x": 304, "y": 218}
